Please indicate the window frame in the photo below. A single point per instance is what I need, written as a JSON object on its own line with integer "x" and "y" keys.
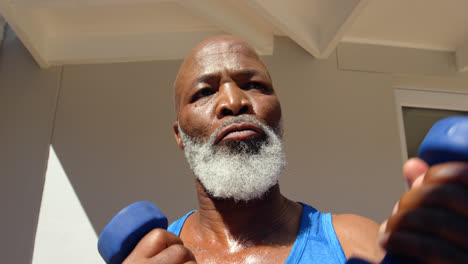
{"x": 406, "y": 96}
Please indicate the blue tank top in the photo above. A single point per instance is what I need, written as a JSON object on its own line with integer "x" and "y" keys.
{"x": 316, "y": 242}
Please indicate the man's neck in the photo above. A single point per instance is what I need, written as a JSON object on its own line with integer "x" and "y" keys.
{"x": 273, "y": 219}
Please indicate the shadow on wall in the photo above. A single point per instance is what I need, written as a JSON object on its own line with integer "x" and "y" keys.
{"x": 27, "y": 101}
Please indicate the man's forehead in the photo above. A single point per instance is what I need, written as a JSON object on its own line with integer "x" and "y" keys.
{"x": 211, "y": 55}
{"x": 219, "y": 54}
{"x": 224, "y": 46}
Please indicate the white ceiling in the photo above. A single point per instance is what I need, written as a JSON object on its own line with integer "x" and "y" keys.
{"x": 426, "y": 24}
{"x": 60, "y": 32}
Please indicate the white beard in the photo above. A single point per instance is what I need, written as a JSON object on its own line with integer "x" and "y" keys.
{"x": 242, "y": 170}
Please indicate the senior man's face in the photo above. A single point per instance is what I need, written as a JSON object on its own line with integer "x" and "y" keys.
{"x": 229, "y": 120}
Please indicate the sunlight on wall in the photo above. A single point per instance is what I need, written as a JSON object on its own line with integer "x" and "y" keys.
{"x": 64, "y": 232}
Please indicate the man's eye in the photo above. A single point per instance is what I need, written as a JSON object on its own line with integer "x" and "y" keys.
{"x": 255, "y": 86}
{"x": 202, "y": 93}
{"x": 258, "y": 86}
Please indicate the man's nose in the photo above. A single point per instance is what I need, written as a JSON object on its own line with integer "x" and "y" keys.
{"x": 233, "y": 101}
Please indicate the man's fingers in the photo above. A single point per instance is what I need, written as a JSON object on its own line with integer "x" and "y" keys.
{"x": 414, "y": 168}
{"x": 433, "y": 222}
{"x": 450, "y": 172}
{"x": 425, "y": 248}
{"x": 176, "y": 253}
{"x": 160, "y": 246}
{"x": 153, "y": 243}
{"x": 452, "y": 197}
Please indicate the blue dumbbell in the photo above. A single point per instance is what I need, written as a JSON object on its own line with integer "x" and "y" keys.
{"x": 446, "y": 141}
{"x": 127, "y": 228}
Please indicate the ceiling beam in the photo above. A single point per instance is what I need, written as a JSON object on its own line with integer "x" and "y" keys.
{"x": 278, "y": 13}
{"x": 461, "y": 57}
{"x": 338, "y": 24}
{"x": 233, "y": 18}
{"x": 318, "y": 31}
{"x": 28, "y": 27}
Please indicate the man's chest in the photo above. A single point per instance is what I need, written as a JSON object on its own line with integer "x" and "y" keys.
{"x": 241, "y": 255}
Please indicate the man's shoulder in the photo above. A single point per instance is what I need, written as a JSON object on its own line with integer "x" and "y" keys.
{"x": 353, "y": 221}
{"x": 358, "y": 236}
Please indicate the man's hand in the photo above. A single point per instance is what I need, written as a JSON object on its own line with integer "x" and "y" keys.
{"x": 160, "y": 246}
{"x": 430, "y": 222}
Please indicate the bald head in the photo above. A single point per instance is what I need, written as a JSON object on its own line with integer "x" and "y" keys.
{"x": 217, "y": 45}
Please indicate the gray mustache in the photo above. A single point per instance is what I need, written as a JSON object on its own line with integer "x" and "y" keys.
{"x": 233, "y": 120}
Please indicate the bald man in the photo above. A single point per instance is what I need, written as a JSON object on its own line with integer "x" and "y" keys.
{"x": 230, "y": 128}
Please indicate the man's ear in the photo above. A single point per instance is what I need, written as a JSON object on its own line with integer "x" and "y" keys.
{"x": 175, "y": 126}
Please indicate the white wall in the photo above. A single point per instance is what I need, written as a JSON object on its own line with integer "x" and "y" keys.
{"x": 113, "y": 138}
